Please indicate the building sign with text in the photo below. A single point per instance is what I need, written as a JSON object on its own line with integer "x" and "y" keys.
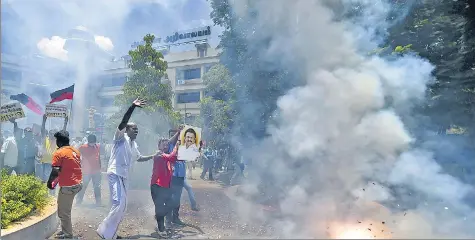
{"x": 193, "y": 35}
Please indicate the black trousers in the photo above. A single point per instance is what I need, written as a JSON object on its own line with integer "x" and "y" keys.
{"x": 176, "y": 190}
{"x": 161, "y": 198}
{"x": 207, "y": 168}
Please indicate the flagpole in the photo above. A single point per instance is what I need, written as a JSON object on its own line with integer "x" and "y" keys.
{"x": 71, "y": 114}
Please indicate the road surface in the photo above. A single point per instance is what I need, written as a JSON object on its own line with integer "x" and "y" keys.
{"x": 216, "y": 218}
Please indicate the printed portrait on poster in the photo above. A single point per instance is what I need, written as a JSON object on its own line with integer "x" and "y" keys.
{"x": 189, "y": 148}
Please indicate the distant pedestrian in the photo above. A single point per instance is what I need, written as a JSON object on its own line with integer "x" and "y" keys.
{"x": 91, "y": 168}
{"x": 208, "y": 163}
{"x": 9, "y": 154}
{"x": 27, "y": 149}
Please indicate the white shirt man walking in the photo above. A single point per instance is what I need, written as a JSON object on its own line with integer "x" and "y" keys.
{"x": 124, "y": 153}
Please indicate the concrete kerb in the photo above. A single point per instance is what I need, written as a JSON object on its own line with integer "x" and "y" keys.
{"x": 35, "y": 227}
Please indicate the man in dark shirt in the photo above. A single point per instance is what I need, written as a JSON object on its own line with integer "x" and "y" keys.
{"x": 27, "y": 149}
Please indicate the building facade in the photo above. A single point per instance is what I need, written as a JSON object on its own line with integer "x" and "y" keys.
{"x": 185, "y": 74}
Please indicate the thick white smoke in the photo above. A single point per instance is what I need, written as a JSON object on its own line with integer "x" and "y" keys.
{"x": 344, "y": 125}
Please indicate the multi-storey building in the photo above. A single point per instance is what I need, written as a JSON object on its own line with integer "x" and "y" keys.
{"x": 185, "y": 72}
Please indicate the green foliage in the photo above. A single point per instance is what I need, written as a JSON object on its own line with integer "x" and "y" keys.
{"x": 148, "y": 71}
{"x": 21, "y": 196}
{"x": 441, "y": 31}
{"x": 217, "y": 107}
{"x": 402, "y": 49}
{"x": 145, "y": 57}
{"x": 219, "y": 84}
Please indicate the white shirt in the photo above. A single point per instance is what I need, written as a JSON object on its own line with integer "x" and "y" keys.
{"x": 10, "y": 149}
{"x": 189, "y": 154}
{"x": 123, "y": 154}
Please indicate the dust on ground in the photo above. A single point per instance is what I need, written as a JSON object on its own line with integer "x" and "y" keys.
{"x": 216, "y": 218}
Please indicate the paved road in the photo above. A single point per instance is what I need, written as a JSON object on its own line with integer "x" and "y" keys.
{"x": 216, "y": 218}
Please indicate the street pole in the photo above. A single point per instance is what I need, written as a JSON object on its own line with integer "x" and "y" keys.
{"x": 184, "y": 118}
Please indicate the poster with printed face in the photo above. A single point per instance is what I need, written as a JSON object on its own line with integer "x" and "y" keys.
{"x": 11, "y": 111}
{"x": 190, "y": 143}
{"x": 56, "y": 110}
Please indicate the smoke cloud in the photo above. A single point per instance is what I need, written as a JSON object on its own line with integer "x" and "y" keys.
{"x": 339, "y": 147}
{"x": 37, "y": 33}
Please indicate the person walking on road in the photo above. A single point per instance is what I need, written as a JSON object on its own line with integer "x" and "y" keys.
{"x": 208, "y": 162}
{"x": 91, "y": 168}
{"x": 66, "y": 168}
{"x": 124, "y": 152}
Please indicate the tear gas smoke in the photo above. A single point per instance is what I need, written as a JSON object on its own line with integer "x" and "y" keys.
{"x": 339, "y": 143}
{"x": 39, "y": 34}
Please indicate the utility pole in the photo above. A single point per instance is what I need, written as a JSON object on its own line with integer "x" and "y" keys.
{"x": 184, "y": 118}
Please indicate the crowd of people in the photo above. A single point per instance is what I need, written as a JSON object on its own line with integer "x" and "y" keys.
{"x": 72, "y": 164}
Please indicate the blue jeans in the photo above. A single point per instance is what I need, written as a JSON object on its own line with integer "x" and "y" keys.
{"x": 191, "y": 194}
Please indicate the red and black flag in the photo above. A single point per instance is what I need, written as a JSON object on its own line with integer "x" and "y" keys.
{"x": 28, "y": 102}
{"x": 62, "y": 94}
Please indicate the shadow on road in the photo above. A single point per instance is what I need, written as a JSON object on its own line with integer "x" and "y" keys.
{"x": 172, "y": 234}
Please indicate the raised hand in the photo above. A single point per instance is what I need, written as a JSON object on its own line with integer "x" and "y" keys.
{"x": 181, "y": 127}
{"x": 139, "y": 102}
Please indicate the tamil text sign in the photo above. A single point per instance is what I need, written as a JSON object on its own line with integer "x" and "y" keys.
{"x": 11, "y": 111}
{"x": 181, "y": 37}
{"x": 190, "y": 35}
{"x": 55, "y": 110}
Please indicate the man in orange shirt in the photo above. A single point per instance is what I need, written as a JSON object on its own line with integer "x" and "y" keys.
{"x": 91, "y": 168}
{"x": 66, "y": 167}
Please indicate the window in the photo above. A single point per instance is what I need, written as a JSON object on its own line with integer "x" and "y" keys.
{"x": 202, "y": 52}
{"x": 114, "y": 81}
{"x": 193, "y": 73}
{"x": 107, "y": 102}
{"x": 187, "y": 74}
{"x": 188, "y": 97}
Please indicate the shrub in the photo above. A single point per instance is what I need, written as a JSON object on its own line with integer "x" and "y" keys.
{"x": 21, "y": 196}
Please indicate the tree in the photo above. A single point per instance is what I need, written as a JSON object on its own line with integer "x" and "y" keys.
{"x": 148, "y": 72}
{"x": 439, "y": 31}
{"x": 217, "y": 106}
{"x": 258, "y": 83}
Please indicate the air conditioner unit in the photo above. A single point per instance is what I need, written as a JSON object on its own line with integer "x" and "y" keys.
{"x": 181, "y": 82}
